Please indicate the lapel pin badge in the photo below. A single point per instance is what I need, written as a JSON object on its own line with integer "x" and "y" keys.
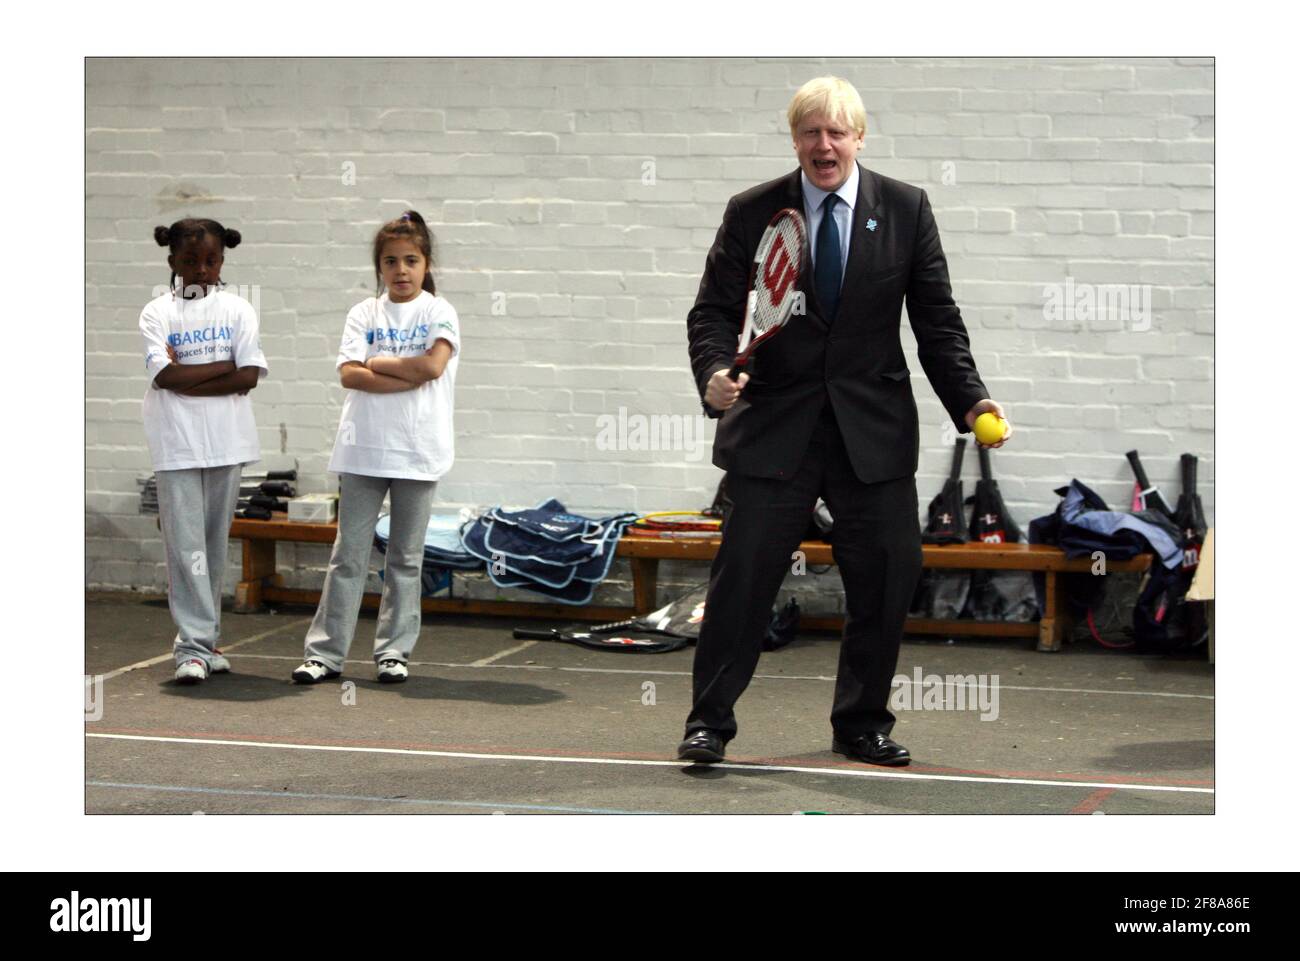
{"x": 871, "y": 225}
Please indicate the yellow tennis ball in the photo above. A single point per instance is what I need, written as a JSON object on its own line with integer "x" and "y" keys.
{"x": 989, "y": 428}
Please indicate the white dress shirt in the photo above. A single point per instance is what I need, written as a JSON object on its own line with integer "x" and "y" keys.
{"x": 813, "y": 197}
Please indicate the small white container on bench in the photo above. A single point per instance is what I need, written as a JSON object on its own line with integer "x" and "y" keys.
{"x": 314, "y": 508}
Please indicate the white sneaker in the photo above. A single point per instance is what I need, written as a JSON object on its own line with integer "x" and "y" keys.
{"x": 313, "y": 672}
{"x": 392, "y": 672}
{"x": 217, "y": 664}
{"x": 191, "y": 672}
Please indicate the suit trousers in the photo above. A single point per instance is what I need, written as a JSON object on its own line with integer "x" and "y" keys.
{"x": 876, "y": 543}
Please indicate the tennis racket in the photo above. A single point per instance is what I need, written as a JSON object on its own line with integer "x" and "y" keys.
{"x": 556, "y": 633}
{"x": 636, "y": 635}
{"x": 675, "y": 533}
{"x": 774, "y": 283}
{"x": 1190, "y": 515}
{"x": 1145, "y": 494}
{"x": 675, "y": 521}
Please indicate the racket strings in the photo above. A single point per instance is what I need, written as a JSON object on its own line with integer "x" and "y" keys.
{"x": 767, "y": 315}
{"x": 776, "y": 285}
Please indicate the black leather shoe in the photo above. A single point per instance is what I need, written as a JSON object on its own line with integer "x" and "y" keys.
{"x": 874, "y": 748}
{"x": 702, "y": 747}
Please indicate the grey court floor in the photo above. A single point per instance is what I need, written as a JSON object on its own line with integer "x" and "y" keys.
{"x": 488, "y": 724}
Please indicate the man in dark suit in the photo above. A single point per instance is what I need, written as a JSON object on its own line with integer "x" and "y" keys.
{"x": 825, "y": 409}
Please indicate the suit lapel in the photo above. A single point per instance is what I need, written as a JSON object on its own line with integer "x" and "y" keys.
{"x": 866, "y": 253}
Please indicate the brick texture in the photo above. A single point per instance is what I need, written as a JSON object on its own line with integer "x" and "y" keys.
{"x": 574, "y": 202}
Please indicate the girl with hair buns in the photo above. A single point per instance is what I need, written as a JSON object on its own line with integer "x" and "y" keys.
{"x": 203, "y": 357}
{"x": 398, "y": 364}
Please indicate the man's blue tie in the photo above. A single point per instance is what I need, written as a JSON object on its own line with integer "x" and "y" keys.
{"x": 827, "y": 272}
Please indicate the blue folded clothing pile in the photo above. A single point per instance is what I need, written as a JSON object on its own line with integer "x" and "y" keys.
{"x": 443, "y": 552}
{"x": 1083, "y": 524}
{"x": 546, "y": 549}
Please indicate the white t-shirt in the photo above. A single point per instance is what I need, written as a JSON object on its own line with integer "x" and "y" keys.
{"x": 186, "y": 432}
{"x": 407, "y": 434}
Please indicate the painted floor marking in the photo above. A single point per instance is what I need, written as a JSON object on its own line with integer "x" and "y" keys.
{"x": 488, "y": 662}
{"x": 563, "y": 759}
{"x": 485, "y": 661}
{"x": 225, "y": 649}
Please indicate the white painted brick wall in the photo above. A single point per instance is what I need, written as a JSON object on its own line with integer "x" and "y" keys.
{"x": 531, "y": 173}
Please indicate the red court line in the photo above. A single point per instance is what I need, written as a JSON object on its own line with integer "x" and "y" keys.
{"x": 797, "y": 761}
{"x": 1093, "y": 801}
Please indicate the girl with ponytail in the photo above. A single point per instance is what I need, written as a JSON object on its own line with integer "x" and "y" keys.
{"x": 397, "y": 361}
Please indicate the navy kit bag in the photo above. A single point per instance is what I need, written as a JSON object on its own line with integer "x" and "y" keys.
{"x": 546, "y": 549}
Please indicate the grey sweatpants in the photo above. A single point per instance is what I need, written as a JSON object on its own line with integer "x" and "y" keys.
{"x": 196, "y": 507}
{"x": 360, "y": 499}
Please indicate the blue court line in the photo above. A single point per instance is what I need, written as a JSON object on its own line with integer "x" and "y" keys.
{"x": 361, "y": 797}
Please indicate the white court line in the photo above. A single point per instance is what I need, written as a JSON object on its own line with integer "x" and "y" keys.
{"x": 225, "y": 648}
{"x": 486, "y": 662}
{"x": 631, "y": 762}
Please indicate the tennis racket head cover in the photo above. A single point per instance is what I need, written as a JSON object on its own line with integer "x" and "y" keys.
{"x": 774, "y": 285}
{"x": 1145, "y": 494}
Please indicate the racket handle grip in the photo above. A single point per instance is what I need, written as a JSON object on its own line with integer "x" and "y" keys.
{"x": 520, "y": 634}
{"x": 1138, "y": 473}
{"x": 958, "y": 454}
{"x": 736, "y": 371}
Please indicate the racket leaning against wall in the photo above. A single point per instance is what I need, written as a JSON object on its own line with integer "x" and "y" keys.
{"x": 779, "y": 263}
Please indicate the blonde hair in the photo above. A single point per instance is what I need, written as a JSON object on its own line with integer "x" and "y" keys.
{"x": 833, "y": 96}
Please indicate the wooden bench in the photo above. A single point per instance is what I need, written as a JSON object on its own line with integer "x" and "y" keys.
{"x": 260, "y": 583}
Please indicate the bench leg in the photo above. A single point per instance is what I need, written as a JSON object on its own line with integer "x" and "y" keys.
{"x": 258, "y": 572}
{"x": 645, "y": 583}
{"x": 1055, "y": 623}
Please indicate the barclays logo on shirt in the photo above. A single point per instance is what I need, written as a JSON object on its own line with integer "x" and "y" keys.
{"x": 390, "y": 335}
{"x": 204, "y": 335}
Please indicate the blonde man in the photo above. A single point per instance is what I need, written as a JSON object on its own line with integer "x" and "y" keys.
{"x": 826, "y": 409}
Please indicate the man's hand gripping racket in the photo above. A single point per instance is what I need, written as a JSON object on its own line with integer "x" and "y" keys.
{"x": 773, "y": 295}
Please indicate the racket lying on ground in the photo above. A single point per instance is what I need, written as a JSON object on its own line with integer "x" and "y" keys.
{"x": 774, "y": 283}
{"x": 630, "y": 636}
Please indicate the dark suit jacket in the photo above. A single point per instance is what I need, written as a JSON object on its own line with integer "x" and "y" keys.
{"x": 855, "y": 356}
